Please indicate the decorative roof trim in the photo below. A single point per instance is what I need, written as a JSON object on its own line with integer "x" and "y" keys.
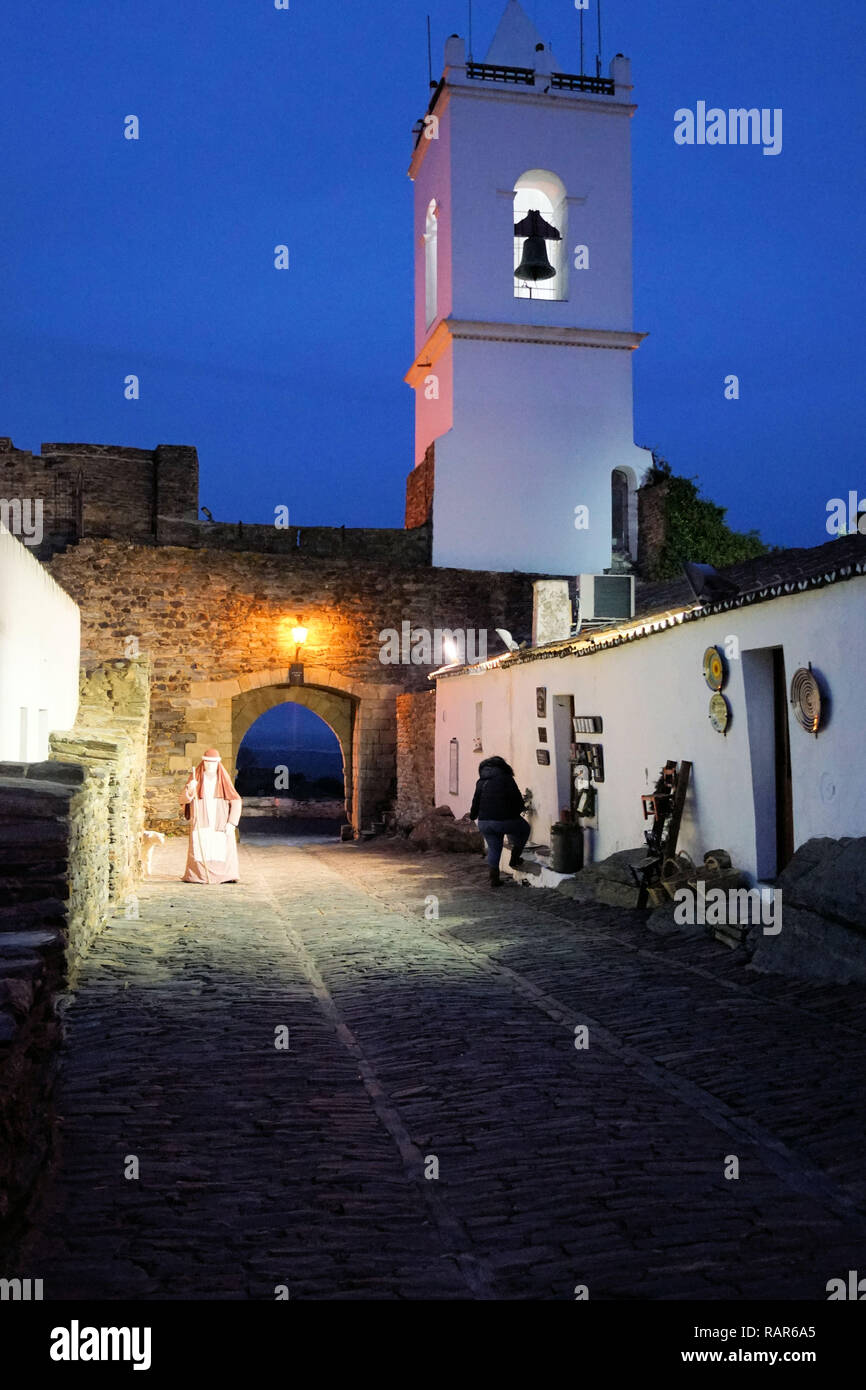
{"x": 651, "y": 624}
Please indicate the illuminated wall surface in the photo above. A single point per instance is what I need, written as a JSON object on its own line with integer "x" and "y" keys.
{"x": 654, "y": 702}
{"x": 39, "y": 654}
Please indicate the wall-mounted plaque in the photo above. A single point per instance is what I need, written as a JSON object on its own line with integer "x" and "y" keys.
{"x": 453, "y": 784}
{"x": 720, "y": 713}
{"x": 296, "y": 673}
{"x": 542, "y": 734}
{"x": 806, "y": 699}
{"x": 543, "y": 756}
{"x": 715, "y": 668}
{"x": 541, "y": 701}
{"x": 592, "y": 755}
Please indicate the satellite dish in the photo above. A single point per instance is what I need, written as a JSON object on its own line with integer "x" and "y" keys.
{"x": 505, "y": 636}
{"x": 706, "y": 583}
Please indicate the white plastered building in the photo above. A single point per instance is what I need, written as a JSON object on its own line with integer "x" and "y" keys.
{"x": 761, "y": 788}
{"x": 40, "y": 644}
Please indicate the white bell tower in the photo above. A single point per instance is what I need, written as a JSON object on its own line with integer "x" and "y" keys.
{"x": 523, "y": 385}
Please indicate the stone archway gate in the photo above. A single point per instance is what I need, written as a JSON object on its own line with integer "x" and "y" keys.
{"x": 361, "y": 715}
{"x": 216, "y": 624}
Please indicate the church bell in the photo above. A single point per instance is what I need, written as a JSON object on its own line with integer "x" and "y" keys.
{"x": 535, "y": 264}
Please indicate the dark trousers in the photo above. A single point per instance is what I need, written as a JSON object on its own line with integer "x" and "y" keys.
{"x": 494, "y": 832}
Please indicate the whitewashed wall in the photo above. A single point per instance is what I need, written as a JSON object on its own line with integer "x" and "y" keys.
{"x": 654, "y": 702}
{"x": 532, "y": 440}
{"x": 39, "y": 654}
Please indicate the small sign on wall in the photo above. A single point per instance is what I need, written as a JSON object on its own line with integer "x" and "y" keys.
{"x": 453, "y": 769}
{"x": 587, "y": 724}
{"x": 541, "y": 701}
{"x": 542, "y": 734}
{"x": 591, "y": 755}
{"x": 543, "y": 756}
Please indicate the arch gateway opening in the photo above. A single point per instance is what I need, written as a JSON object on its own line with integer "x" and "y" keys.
{"x": 361, "y": 714}
{"x": 335, "y": 708}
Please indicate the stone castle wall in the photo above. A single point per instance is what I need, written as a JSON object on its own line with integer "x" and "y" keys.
{"x": 388, "y": 545}
{"x": 101, "y": 489}
{"x": 212, "y": 603}
{"x": 151, "y": 497}
{"x": 216, "y": 626}
{"x": 419, "y": 490}
{"x": 416, "y": 729}
{"x": 652, "y": 528}
{"x": 69, "y": 836}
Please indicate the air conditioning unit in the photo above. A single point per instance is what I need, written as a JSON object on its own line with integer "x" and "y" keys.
{"x": 606, "y": 597}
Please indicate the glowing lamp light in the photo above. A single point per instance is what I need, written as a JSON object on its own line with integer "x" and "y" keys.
{"x": 449, "y": 651}
{"x": 296, "y": 670}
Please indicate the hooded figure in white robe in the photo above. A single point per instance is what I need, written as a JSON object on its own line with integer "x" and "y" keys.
{"x": 213, "y": 809}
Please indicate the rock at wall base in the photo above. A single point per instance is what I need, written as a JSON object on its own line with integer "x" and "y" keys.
{"x": 809, "y": 947}
{"x": 826, "y": 877}
{"x": 440, "y": 831}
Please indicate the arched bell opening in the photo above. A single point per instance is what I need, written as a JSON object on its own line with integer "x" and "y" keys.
{"x": 540, "y": 236}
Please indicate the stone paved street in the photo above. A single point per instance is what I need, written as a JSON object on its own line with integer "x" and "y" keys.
{"x": 415, "y": 1041}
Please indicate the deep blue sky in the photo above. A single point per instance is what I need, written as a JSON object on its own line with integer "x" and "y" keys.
{"x": 261, "y": 126}
{"x": 290, "y": 726}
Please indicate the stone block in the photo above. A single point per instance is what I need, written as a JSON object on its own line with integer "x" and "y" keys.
{"x": 826, "y": 877}
{"x": 809, "y": 947}
{"x": 438, "y": 830}
{"x": 67, "y": 774}
{"x": 16, "y": 943}
{"x": 16, "y": 995}
{"x": 216, "y": 690}
{"x": 37, "y": 800}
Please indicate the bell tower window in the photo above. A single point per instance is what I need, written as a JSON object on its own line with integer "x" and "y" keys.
{"x": 431, "y": 263}
{"x": 540, "y": 231}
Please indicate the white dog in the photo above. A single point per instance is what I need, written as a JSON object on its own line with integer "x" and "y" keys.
{"x": 149, "y": 841}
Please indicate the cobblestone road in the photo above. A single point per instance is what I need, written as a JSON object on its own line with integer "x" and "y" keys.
{"x": 416, "y": 1042}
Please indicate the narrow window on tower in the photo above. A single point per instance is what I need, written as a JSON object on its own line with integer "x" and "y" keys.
{"x": 540, "y": 236}
{"x": 431, "y": 262}
{"x": 619, "y": 509}
{"x": 623, "y": 496}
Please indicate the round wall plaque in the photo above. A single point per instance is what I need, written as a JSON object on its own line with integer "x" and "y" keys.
{"x": 714, "y": 668}
{"x": 806, "y": 699}
{"x": 720, "y": 713}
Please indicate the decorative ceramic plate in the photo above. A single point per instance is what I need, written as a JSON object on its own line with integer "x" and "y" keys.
{"x": 806, "y": 699}
{"x": 714, "y": 668}
{"x": 720, "y": 713}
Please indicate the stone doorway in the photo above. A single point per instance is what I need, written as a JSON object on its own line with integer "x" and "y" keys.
{"x": 336, "y": 710}
{"x": 361, "y": 714}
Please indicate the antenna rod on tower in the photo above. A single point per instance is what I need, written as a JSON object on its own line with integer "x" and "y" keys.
{"x": 429, "y": 54}
{"x": 581, "y": 41}
{"x": 470, "y": 31}
{"x": 599, "y": 38}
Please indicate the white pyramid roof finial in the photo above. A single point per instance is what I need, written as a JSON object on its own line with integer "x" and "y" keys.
{"x": 515, "y": 42}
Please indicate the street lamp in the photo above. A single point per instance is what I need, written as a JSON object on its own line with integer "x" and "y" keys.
{"x": 296, "y": 670}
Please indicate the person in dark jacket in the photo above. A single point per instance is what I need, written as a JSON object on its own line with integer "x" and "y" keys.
{"x": 497, "y": 806}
